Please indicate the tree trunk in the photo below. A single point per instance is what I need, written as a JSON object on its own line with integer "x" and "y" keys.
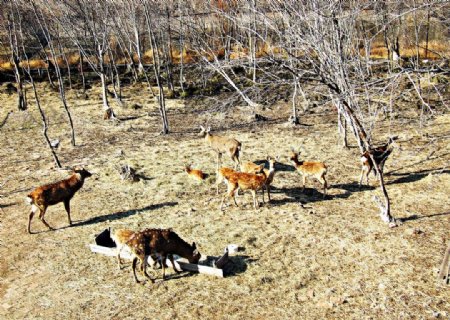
{"x": 108, "y": 111}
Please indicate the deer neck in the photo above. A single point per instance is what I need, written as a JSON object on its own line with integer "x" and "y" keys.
{"x": 76, "y": 181}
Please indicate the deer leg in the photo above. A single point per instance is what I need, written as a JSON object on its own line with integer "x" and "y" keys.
{"x": 369, "y": 169}
{"x": 173, "y": 263}
{"x": 33, "y": 211}
{"x": 303, "y": 182}
{"x": 233, "y": 191}
{"x": 67, "y": 206}
{"x": 268, "y": 192}
{"x": 361, "y": 177}
{"x": 219, "y": 160}
{"x": 134, "y": 269}
{"x": 218, "y": 181}
{"x": 144, "y": 269}
{"x": 119, "y": 261}
{"x": 255, "y": 201}
{"x": 262, "y": 190}
{"x": 324, "y": 182}
{"x": 163, "y": 257}
{"x": 41, "y": 216}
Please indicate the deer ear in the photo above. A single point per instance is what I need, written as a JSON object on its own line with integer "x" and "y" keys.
{"x": 194, "y": 246}
{"x": 209, "y": 129}
{"x": 202, "y": 127}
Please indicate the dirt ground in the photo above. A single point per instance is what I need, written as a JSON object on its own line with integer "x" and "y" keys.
{"x": 302, "y": 257}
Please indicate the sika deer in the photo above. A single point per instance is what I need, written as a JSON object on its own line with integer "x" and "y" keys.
{"x": 251, "y": 167}
{"x": 317, "y": 170}
{"x": 163, "y": 242}
{"x": 222, "y": 176}
{"x": 195, "y": 174}
{"x": 222, "y": 145}
{"x": 121, "y": 238}
{"x": 380, "y": 155}
{"x": 54, "y": 193}
{"x": 246, "y": 181}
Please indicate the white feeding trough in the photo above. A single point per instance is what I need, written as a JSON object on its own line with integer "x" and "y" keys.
{"x": 213, "y": 266}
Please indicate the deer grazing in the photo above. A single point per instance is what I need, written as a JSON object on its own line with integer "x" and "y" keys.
{"x": 54, "y": 193}
{"x": 251, "y": 167}
{"x": 195, "y": 174}
{"x": 162, "y": 242}
{"x": 246, "y": 181}
{"x": 317, "y": 170}
{"x": 380, "y": 154}
{"x": 222, "y": 145}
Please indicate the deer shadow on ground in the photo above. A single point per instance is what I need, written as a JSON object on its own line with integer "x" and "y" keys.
{"x": 353, "y": 187}
{"x": 417, "y": 217}
{"x": 121, "y": 214}
{"x": 237, "y": 264}
{"x": 279, "y": 166}
{"x": 309, "y": 195}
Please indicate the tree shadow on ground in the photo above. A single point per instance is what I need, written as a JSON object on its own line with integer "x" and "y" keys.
{"x": 123, "y": 119}
{"x": 415, "y": 176}
{"x": 122, "y": 214}
{"x": 6, "y": 205}
{"x": 417, "y": 217}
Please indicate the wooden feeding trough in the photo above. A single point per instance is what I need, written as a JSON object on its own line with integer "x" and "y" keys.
{"x": 213, "y": 266}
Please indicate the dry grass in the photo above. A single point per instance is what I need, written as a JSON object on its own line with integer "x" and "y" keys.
{"x": 436, "y": 50}
{"x": 331, "y": 258}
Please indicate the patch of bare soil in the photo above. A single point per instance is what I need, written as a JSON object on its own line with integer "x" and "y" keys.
{"x": 304, "y": 257}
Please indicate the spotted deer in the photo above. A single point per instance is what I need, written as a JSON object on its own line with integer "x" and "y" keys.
{"x": 50, "y": 194}
{"x": 162, "y": 242}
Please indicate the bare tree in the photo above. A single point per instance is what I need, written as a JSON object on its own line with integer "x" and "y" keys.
{"x": 44, "y": 26}
{"x": 95, "y": 19}
{"x": 12, "y": 10}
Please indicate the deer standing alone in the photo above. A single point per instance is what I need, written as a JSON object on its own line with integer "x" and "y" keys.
{"x": 222, "y": 145}
{"x": 317, "y": 170}
{"x": 380, "y": 154}
{"x": 50, "y": 194}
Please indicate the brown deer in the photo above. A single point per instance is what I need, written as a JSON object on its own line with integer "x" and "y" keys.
{"x": 163, "y": 242}
{"x": 54, "y": 193}
{"x": 380, "y": 154}
{"x": 317, "y": 170}
{"x": 222, "y": 175}
{"x": 246, "y": 181}
{"x": 251, "y": 167}
{"x": 195, "y": 174}
{"x": 222, "y": 145}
